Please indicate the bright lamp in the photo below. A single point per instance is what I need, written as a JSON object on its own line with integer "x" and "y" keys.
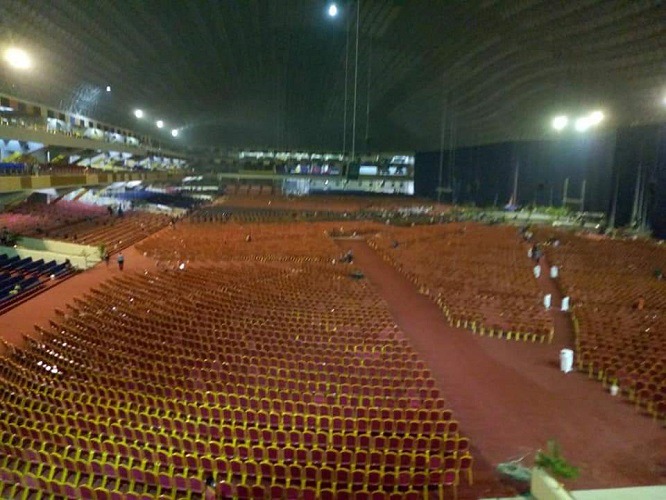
{"x": 559, "y": 123}
{"x": 18, "y": 58}
{"x": 583, "y": 123}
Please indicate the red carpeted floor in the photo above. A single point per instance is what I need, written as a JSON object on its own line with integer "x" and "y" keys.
{"x": 510, "y": 397}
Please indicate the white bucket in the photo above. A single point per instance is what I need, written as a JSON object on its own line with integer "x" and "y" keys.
{"x": 566, "y": 360}
{"x": 565, "y": 303}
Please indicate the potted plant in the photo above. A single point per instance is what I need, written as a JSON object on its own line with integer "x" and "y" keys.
{"x": 550, "y": 467}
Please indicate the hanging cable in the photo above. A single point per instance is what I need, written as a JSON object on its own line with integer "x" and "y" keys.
{"x": 358, "y": 22}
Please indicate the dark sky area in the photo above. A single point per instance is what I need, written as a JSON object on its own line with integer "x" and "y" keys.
{"x": 271, "y": 73}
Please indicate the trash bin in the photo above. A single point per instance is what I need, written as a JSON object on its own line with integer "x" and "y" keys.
{"x": 566, "y": 360}
{"x": 565, "y": 303}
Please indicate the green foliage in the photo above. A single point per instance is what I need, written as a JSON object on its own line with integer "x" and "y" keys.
{"x": 554, "y": 463}
{"x": 557, "y": 211}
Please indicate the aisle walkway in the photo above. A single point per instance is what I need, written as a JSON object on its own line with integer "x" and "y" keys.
{"x": 511, "y": 398}
{"x": 562, "y": 320}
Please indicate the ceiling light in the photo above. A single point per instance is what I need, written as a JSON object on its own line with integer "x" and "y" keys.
{"x": 559, "y": 123}
{"x": 583, "y": 123}
{"x": 108, "y": 88}
{"x": 596, "y": 117}
{"x": 332, "y": 10}
{"x": 18, "y": 58}
{"x": 159, "y": 123}
{"x": 138, "y": 113}
{"x": 174, "y": 133}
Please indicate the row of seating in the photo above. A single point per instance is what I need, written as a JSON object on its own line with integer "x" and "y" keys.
{"x": 214, "y": 405}
{"x": 82, "y": 467}
{"x": 245, "y": 215}
{"x": 115, "y": 233}
{"x": 81, "y": 223}
{"x": 128, "y": 375}
{"x": 20, "y": 278}
{"x": 237, "y": 241}
{"x": 203, "y": 402}
{"x": 619, "y": 312}
{"x": 218, "y": 458}
{"x": 166, "y": 486}
{"x": 16, "y": 265}
{"x": 491, "y": 293}
{"x": 38, "y": 219}
{"x": 260, "y": 197}
{"x": 305, "y": 431}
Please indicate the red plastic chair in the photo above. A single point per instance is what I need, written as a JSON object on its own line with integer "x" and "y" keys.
{"x": 465, "y": 464}
{"x": 309, "y": 493}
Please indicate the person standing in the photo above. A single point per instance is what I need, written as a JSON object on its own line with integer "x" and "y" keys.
{"x": 121, "y": 261}
{"x": 107, "y": 258}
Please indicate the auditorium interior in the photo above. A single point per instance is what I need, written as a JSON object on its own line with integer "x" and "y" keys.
{"x": 316, "y": 249}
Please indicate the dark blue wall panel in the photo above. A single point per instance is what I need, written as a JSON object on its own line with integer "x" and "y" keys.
{"x": 483, "y": 175}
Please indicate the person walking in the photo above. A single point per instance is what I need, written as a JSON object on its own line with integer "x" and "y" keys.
{"x": 121, "y": 261}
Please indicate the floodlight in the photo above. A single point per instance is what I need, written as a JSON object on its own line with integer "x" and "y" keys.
{"x": 18, "y": 58}
{"x": 583, "y": 123}
{"x": 174, "y": 133}
{"x": 108, "y": 88}
{"x": 159, "y": 123}
{"x": 332, "y": 10}
{"x": 138, "y": 113}
{"x": 559, "y": 123}
{"x": 596, "y": 117}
